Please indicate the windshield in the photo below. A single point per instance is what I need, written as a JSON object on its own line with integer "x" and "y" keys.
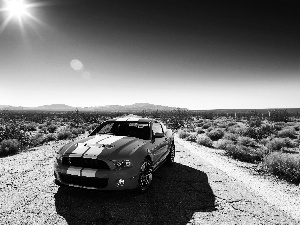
{"x": 124, "y": 128}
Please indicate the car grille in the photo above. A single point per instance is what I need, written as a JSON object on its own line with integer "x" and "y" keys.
{"x": 84, "y": 181}
{"x": 85, "y": 162}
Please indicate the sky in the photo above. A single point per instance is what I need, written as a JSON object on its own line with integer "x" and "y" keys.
{"x": 190, "y": 54}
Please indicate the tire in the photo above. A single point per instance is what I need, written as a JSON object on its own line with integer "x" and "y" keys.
{"x": 145, "y": 176}
{"x": 171, "y": 156}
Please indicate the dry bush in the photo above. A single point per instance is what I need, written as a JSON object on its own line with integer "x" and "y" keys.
{"x": 50, "y": 137}
{"x": 284, "y": 165}
{"x": 231, "y": 136}
{"x": 215, "y": 134}
{"x": 247, "y": 141}
{"x": 183, "y": 134}
{"x": 37, "y": 139}
{"x": 192, "y": 138}
{"x": 52, "y": 128}
{"x": 287, "y": 133}
{"x": 200, "y": 131}
{"x": 64, "y": 134}
{"x": 246, "y": 154}
{"x": 224, "y": 143}
{"x": 8, "y": 147}
{"x": 206, "y": 125}
{"x": 204, "y": 140}
{"x": 277, "y": 144}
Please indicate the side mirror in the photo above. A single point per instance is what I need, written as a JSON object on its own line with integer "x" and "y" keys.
{"x": 158, "y": 135}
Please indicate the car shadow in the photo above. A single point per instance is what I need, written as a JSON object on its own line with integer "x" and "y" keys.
{"x": 175, "y": 195}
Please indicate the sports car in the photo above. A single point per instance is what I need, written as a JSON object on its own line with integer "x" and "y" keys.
{"x": 119, "y": 154}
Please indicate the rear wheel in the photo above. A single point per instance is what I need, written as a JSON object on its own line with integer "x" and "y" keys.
{"x": 145, "y": 176}
{"x": 171, "y": 156}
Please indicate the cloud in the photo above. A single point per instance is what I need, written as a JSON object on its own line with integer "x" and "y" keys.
{"x": 76, "y": 65}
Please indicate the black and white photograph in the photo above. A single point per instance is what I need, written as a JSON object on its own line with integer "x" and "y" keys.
{"x": 149, "y": 112}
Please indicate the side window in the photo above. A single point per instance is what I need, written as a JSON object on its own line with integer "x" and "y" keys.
{"x": 156, "y": 128}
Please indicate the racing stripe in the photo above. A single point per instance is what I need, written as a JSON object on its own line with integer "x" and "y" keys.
{"x": 121, "y": 119}
{"x": 93, "y": 152}
{"x": 81, "y": 148}
{"x": 74, "y": 171}
{"x": 133, "y": 119}
{"x": 96, "y": 150}
{"x": 88, "y": 172}
{"x": 110, "y": 140}
{"x": 97, "y": 138}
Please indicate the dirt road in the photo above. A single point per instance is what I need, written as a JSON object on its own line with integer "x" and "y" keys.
{"x": 193, "y": 191}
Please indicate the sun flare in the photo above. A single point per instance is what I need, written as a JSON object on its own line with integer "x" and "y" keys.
{"x": 16, "y": 8}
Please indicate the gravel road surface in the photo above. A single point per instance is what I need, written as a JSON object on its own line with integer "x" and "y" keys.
{"x": 194, "y": 191}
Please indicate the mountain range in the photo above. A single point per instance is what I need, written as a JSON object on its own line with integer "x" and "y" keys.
{"x": 108, "y": 108}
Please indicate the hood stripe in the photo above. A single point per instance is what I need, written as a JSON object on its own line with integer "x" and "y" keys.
{"x": 96, "y": 139}
{"x": 110, "y": 140}
{"x": 94, "y": 151}
{"x": 80, "y": 147}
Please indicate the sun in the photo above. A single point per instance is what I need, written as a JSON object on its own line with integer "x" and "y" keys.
{"x": 16, "y": 8}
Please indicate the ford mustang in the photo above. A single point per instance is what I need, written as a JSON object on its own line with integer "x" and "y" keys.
{"x": 120, "y": 154}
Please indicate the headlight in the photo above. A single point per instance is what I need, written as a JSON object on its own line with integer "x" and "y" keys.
{"x": 122, "y": 164}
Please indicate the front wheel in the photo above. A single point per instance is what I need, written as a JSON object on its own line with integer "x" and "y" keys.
{"x": 171, "y": 156}
{"x": 145, "y": 176}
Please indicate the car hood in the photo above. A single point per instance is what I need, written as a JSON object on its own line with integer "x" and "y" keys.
{"x": 104, "y": 146}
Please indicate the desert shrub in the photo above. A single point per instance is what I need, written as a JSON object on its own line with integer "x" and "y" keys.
{"x": 192, "y": 137}
{"x": 50, "y": 137}
{"x": 231, "y": 123}
{"x": 210, "y": 129}
{"x": 222, "y": 125}
{"x": 8, "y": 147}
{"x": 200, "y": 131}
{"x": 255, "y": 123}
{"x": 183, "y": 134}
{"x": 247, "y": 141}
{"x": 93, "y": 126}
{"x": 206, "y": 125}
{"x": 215, "y": 134}
{"x": 36, "y": 139}
{"x": 297, "y": 127}
{"x": 245, "y": 153}
{"x": 30, "y": 127}
{"x": 204, "y": 140}
{"x": 236, "y": 130}
{"x": 287, "y": 132}
{"x": 41, "y": 125}
{"x": 64, "y": 134}
{"x": 77, "y": 131}
{"x": 223, "y": 143}
{"x": 283, "y": 165}
{"x": 52, "y": 128}
{"x": 278, "y": 143}
{"x": 279, "y": 125}
{"x": 44, "y": 130}
{"x": 231, "y": 136}
{"x": 264, "y": 141}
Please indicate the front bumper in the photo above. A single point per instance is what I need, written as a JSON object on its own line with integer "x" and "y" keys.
{"x": 96, "y": 179}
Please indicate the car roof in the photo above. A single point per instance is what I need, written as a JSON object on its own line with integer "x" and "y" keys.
{"x": 133, "y": 119}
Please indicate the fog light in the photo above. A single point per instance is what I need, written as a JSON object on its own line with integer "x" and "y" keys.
{"x": 120, "y": 183}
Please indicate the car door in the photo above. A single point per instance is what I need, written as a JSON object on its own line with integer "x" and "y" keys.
{"x": 160, "y": 143}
